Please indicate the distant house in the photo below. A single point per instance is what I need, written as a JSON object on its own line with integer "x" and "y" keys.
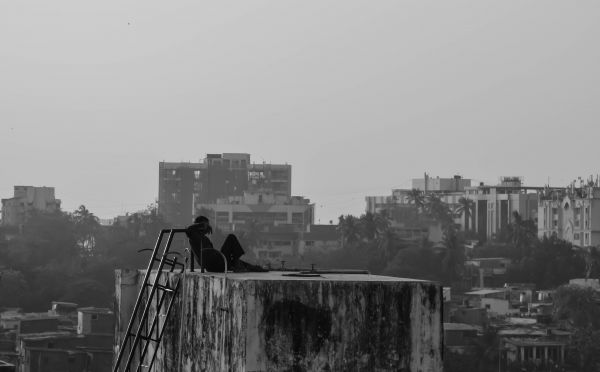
{"x": 495, "y": 301}
{"x": 540, "y": 351}
{"x": 469, "y": 315}
{"x": 276, "y": 242}
{"x": 459, "y": 337}
{"x": 95, "y": 321}
{"x": 487, "y": 272}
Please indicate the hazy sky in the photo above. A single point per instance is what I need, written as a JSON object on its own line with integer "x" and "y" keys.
{"x": 359, "y": 96}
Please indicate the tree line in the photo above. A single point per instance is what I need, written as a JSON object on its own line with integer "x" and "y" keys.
{"x": 70, "y": 257}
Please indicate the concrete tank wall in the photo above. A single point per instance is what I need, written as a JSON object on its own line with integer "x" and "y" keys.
{"x": 272, "y": 322}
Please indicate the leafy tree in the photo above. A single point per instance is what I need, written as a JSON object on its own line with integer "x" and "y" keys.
{"x": 520, "y": 233}
{"x": 578, "y": 306}
{"x": 349, "y": 229}
{"x": 12, "y": 286}
{"x": 86, "y": 229}
{"x": 416, "y": 262}
{"x": 579, "y": 309}
{"x": 548, "y": 263}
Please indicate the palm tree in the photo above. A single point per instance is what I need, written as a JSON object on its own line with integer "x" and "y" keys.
{"x": 373, "y": 224}
{"x": 368, "y": 226}
{"x": 438, "y": 210}
{"x": 417, "y": 198}
{"x": 465, "y": 208}
{"x": 349, "y": 229}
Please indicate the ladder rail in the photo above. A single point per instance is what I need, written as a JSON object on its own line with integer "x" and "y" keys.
{"x": 148, "y": 336}
{"x": 132, "y": 320}
{"x": 162, "y": 330}
{"x": 160, "y": 298}
{"x": 149, "y": 301}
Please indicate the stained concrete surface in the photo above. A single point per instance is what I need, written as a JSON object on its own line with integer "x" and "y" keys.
{"x": 274, "y": 322}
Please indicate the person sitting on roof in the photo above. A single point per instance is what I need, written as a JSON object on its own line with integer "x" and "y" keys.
{"x": 208, "y": 257}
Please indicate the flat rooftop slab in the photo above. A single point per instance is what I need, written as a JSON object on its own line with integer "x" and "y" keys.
{"x": 298, "y": 276}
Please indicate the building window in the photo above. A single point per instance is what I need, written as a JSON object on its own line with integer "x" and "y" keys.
{"x": 173, "y": 172}
{"x": 309, "y": 243}
{"x": 576, "y": 236}
{"x": 94, "y": 316}
{"x": 197, "y": 174}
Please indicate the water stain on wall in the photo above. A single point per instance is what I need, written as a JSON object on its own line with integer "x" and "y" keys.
{"x": 290, "y": 323}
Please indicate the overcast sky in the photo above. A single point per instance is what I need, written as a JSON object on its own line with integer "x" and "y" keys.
{"x": 359, "y": 96}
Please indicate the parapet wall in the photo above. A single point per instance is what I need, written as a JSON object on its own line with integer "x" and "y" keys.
{"x": 274, "y": 322}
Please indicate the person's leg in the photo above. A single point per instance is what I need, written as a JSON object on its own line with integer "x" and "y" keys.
{"x": 232, "y": 250}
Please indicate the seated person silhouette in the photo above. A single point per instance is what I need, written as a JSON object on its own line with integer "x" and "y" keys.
{"x": 208, "y": 257}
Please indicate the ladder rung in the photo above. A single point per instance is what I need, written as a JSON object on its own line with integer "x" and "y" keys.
{"x": 163, "y": 287}
{"x": 169, "y": 262}
{"x": 146, "y": 338}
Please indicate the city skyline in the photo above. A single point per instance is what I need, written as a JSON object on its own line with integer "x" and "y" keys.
{"x": 361, "y": 98}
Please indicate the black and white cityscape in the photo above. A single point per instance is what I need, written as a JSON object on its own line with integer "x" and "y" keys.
{"x": 276, "y": 186}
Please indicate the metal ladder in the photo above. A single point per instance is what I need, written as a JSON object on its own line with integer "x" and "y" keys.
{"x": 141, "y": 331}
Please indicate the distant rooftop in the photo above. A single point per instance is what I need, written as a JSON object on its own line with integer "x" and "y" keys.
{"x": 460, "y": 327}
{"x": 483, "y": 292}
{"x": 95, "y": 310}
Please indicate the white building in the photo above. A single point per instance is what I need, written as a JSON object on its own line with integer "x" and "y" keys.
{"x": 571, "y": 214}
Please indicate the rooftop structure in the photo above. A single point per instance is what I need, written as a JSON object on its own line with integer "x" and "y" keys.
{"x": 436, "y": 184}
{"x": 571, "y": 214}
{"x": 284, "y": 321}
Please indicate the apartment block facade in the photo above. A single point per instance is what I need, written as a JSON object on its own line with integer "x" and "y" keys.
{"x": 183, "y": 185}
{"x": 25, "y": 200}
{"x": 494, "y": 205}
{"x": 237, "y": 213}
{"x": 572, "y": 214}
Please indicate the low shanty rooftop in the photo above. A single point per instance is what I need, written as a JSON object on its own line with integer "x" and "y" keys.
{"x": 485, "y": 292}
{"x": 461, "y": 327}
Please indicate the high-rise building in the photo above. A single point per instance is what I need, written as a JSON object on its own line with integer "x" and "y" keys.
{"x": 183, "y": 185}
{"x": 27, "y": 199}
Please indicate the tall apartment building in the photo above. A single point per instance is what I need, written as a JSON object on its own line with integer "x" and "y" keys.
{"x": 494, "y": 205}
{"x": 571, "y": 214}
{"x": 25, "y": 200}
{"x": 181, "y": 186}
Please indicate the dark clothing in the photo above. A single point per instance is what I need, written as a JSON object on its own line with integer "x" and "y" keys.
{"x": 232, "y": 249}
{"x": 212, "y": 260}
